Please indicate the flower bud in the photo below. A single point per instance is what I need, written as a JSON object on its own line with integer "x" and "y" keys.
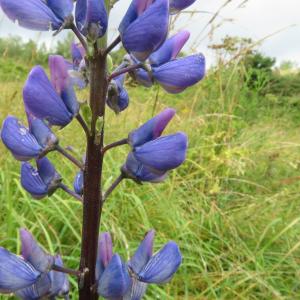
{"x": 91, "y": 18}
{"x": 144, "y": 27}
{"x": 18, "y": 139}
{"x": 117, "y": 96}
{"x": 42, "y": 181}
{"x": 78, "y": 183}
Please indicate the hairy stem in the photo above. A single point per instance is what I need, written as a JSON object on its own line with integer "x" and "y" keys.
{"x": 115, "y": 144}
{"x": 92, "y": 193}
{"x": 70, "y": 192}
{"x": 113, "y": 186}
{"x": 69, "y": 157}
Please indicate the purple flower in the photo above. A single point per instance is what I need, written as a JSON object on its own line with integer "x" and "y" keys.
{"x": 144, "y": 27}
{"x": 34, "y": 254}
{"x": 42, "y": 181}
{"x": 91, "y": 18}
{"x": 164, "y": 153}
{"x": 176, "y": 75}
{"x": 147, "y": 268}
{"x": 62, "y": 83}
{"x": 105, "y": 253}
{"x": 153, "y": 156}
{"x": 39, "y": 15}
{"x": 111, "y": 273}
{"x": 18, "y": 139}
{"x": 117, "y": 96}
{"x": 26, "y": 144}
{"x": 78, "y": 183}
{"x": 41, "y": 99}
{"x": 152, "y": 129}
{"x": 50, "y": 285}
{"x": 15, "y": 272}
{"x": 178, "y": 5}
{"x": 169, "y": 49}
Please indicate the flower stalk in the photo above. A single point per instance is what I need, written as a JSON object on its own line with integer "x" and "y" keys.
{"x": 92, "y": 192}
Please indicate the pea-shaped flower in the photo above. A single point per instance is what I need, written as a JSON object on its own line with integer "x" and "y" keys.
{"x": 178, "y": 5}
{"x": 50, "y": 283}
{"x": 15, "y": 272}
{"x": 153, "y": 156}
{"x": 39, "y": 15}
{"x": 117, "y": 96}
{"x": 25, "y": 143}
{"x": 111, "y": 272}
{"x": 62, "y": 83}
{"x": 44, "y": 102}
{"x": 146, "y": 268}
{"x": 42, "y": 181}
{"x": 174, "y": 75}
{"x": 144, "y": 27}
{"x": 91, "y": 18}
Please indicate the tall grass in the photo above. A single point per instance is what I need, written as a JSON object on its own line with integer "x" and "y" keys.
{"x": 236, "y": 221}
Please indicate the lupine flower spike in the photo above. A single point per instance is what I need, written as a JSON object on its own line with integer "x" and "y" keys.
{"x": 151, "y": 58}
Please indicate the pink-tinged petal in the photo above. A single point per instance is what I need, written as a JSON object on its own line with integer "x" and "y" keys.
{"x": 41, "y": 99}
{"x": 170, "y": 48}
{"x": 34, "y": 254}
{"x": 152, "y": 129}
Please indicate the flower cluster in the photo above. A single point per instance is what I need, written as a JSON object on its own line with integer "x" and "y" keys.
{"x": 29, "y": 276}
{"x": 152, "y": 57}
{"x": 119, "y": 280}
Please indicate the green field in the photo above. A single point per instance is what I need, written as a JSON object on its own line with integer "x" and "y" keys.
{"x": 233, "y": 206}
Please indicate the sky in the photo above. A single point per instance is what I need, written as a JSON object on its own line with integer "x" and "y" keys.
{"x": 257, "y": 19}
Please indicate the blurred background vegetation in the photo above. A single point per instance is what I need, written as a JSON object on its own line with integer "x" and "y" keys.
{"x": 233, "y": 207}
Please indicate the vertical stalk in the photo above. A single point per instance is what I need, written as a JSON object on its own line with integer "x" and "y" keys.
{"x": 92, "y": 199}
